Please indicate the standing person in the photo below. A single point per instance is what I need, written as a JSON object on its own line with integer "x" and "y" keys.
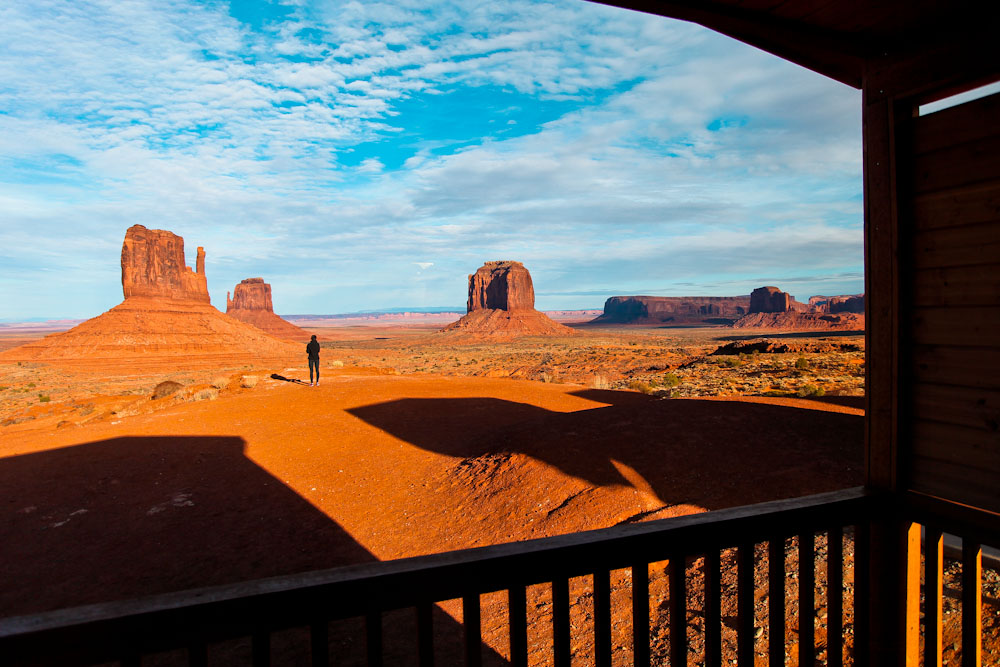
{"x": 312, "y": 349}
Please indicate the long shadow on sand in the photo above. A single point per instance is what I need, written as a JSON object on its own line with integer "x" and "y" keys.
{"x": 136, "y": 516}
{"x": 710, "y": 453}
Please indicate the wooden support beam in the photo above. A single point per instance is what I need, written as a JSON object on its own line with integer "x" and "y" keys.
{"x": 640, "y": 614}
{"x": 807, "y": 599}
{"x": 972, "y": 604}
{"x": 471, "y": 620}
{"x": 933, "y": 596}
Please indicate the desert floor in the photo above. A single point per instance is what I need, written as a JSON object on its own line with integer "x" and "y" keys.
{"x": 408, "y": 447}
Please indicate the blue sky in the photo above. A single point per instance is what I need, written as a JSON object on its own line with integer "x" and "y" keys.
{"x": 367, "y": 155}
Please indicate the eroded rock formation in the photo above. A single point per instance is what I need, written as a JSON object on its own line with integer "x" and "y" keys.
{"x": 153, "y": 266}
{"x": 166, "y": 317}
{"x": 251, "y": 303}
{"x": 844, "y": 303}
{"x": 501, "y": 285}
{"x": 502, "y": 303}
{"x": 676, "y": 309}
{"x": 773, "y": 300}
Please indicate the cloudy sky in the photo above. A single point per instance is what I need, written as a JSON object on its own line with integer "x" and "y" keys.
{"x": 370, "y": 155}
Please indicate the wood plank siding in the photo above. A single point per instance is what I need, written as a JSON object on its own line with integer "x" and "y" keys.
{"x": 950, "y": 203}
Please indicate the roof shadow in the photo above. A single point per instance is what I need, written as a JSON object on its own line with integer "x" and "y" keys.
{"x": 137, "y": 516}
{"x": 712, "y": 453}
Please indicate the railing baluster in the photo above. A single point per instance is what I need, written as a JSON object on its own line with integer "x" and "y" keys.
{"x": 678, "y": 612}
{"x": 776, "y": 602}
{"x": 560, "y": 622}
{"x": 198, "y": 654}
{"x": 713, "y": 610}
{"x": 835, "y": 598}
{"x": 319, "y": 643}
{"x": 473, "y": 631}
{"x": 862, "y": 592}
{"x": 972, "y": 603}
{"x": 640, "y": 614}
{"x": 260, "y": 648}
{"x": 425, "y": 634}
{"x": 745, "y": 604}
{"x": 517, "y": 616}
{"x": 933, "y": 596}
{"x": 807, "y": 599}
{"x": 373, "y": 638}
{"x": 602, "y": 617}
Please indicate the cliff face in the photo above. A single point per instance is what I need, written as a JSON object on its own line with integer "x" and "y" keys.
{"x": 250, "y": 294}
{"x": 690, "y": 309}
{"x": 844, "y": 303}
{"x": 153, "y": 266}
{"x": 501, "y": 285}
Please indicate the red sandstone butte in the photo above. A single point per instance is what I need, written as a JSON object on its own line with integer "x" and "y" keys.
{"x": 251, "y": 303}
{"x": 502, "y": 303}
{"x": 773, "y": 300}
{"x": 166, "y": 314}
{"x": 153, "y": 266}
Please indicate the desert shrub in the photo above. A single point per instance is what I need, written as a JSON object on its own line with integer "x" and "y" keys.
{"x": 44, "y": 398}
{"x": 640, "y": 386}
{"x": 220, "y": 382}
{"x": 4, "y": 388}
{"x": 209, "y": 394}
{"x": 248, "y": 381}
{"x": 732, "y": 362}
{"x": 600, "y": 382}
{"x": 802, "y": 363}
{"x": 165, "y": 388}
{"x": 670, "y": 380}
{"x": 336, "y": 364}
{"x": 810, "y": 390}
{"x": 31, "y": 385}
{"x": 778, "y": 393}
{"x": 545, "y": 377}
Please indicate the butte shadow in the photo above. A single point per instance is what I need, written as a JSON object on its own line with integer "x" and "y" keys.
{"x": 710, "y": 453}
{"x": 136, "y": 516}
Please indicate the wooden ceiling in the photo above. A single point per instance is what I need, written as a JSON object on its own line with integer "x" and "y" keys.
{"x": 834, "y": 37}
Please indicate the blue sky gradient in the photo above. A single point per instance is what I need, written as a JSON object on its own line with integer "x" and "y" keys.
{"x": 371, "y": 155}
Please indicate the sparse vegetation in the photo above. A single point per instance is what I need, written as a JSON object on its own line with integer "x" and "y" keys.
{"x": 44, "y": 398}
{"x": 802, "y": 363}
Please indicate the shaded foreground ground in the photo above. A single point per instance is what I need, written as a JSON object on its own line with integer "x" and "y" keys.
{"x": 283, "y": 477}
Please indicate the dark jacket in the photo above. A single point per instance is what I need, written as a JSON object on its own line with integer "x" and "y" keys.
{"x": 313, "y": 349}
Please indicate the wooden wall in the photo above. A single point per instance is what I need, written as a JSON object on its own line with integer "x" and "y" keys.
{"x": 949, "y": 245}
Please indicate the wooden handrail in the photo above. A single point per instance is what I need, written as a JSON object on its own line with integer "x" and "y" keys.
{"x": 108, "y": 631}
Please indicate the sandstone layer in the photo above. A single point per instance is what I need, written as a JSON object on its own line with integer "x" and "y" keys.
{"x": 502, "y": 304}
{"x": 675, "y": 309}
{"x": 251, "y": 303}
{"x": 166, "y": 313}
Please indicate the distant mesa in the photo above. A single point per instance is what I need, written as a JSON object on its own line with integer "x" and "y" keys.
{"x": 770, "y": 308}
{"x": 251, "y": 303}
{"x": 166, "y": 313}
{"x": 502, "y": 303}
{"x": 673, "y": 309}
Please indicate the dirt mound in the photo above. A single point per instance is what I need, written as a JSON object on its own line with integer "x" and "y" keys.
{"x": 251, "y": 303}
{"x": 143, "y": 326}
{"x": 504, "y": 324}
{"x": 791, "y": 321}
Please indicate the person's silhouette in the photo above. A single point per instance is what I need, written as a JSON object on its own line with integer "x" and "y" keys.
{"x": 312, "y": 349}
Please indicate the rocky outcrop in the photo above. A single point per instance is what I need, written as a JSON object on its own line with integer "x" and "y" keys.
{"x": 796, "y": 321}
{"x": 166, "y": 317}
{"x": 502, "y": 304}
{"x": 675, "y": 309}
{"x": 251, "y": 303}
{"x": 844, "y": 303}
{"x": 773, "y": 300}
{"x": 153, "y": 266}
{"x": 501, "y": 285}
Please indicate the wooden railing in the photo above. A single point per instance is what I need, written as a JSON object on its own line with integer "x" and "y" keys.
{"x": 926, "y": 523}
{"x": 125, "y": 631}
